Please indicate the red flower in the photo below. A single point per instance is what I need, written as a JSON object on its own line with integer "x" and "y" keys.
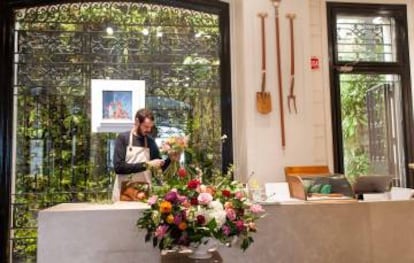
{"x": 194, "y": 201}
{"x": 201, "y": 219}
{"x": 226, "y": 193}
{"x": 240, "y": 225}
{"x": 193, "y": 184}
{"x": 182, "y": 172}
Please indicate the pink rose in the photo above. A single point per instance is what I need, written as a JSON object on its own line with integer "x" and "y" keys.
{"x": 231, "y": 214}
{"x": 256, "y": 208}
{"x": 152, "y": 200}
{"x": 161, "y": 231}
{"x": 204, "y": 198}
{"x": 226, "y": 230}
{"x": 239, "y": 195}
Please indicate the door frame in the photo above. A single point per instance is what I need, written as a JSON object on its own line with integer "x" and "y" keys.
{"x": 401, "y": 68}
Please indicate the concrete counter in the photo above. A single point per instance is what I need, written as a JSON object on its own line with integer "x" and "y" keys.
{"x": 318, "y": 232}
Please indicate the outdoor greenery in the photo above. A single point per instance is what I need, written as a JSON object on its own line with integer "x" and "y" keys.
{"x": 61, "y": 48}
{"x": 355, "y": 133}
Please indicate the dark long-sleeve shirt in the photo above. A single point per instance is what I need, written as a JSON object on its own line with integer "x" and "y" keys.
{"x": 121, "y": 144}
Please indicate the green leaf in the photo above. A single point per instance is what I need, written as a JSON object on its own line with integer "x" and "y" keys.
{"x": 155, "y": 241}
{"x": 212, "y": 225}
{"x": 148, "y": 236}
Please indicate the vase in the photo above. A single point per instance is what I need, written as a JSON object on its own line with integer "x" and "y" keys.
{"x": 204, "y": 249}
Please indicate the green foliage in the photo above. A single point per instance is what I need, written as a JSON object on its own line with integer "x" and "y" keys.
{"x": 354, "y": 89}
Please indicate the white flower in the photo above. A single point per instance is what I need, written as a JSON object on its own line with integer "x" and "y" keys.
{"x": 220, "y": 217}
{"x": 216, "y": 205}
{"x": 215, "y": 211}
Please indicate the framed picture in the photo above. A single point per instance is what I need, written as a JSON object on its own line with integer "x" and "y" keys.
{"x": 114, "y": 103}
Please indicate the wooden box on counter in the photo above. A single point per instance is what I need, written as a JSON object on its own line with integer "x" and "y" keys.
{"x": 307, "y": 187}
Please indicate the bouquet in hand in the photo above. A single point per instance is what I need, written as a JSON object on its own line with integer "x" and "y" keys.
{"x": 174, "y": 144}
{"x": 173, "y": 147}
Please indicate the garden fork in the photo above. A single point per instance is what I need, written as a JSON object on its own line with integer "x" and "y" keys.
{"x": 292, "y": 97}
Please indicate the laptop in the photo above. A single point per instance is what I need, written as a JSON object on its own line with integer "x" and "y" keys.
{"x": 372, "y": 184}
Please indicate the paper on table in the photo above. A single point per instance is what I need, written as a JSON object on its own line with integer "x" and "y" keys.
{"x": 400, "y": 193}
{"x": 277, "y": 192}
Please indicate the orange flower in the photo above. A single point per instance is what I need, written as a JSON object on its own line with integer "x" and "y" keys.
{"x": 211, "y": 190}
{"x": 182, "y": 226}
{"x": 228, "y": 205}
{"x": 170, "y": 219}
{"x": 165, "y": 207}
{"x": 186, "y": 204}
{"x": 252, "y": 226}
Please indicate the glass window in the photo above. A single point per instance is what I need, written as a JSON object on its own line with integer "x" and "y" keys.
{"x": 370, "y": 87}
{"x": 366, "y": 38}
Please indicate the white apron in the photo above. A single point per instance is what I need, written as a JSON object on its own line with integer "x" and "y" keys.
{"x": 134, "y": 154}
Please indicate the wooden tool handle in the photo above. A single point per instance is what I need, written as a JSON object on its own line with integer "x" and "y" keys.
{"x": 262, "y": 17}
{"x": 279, "y": 75}
{"x": 291, "y": 17}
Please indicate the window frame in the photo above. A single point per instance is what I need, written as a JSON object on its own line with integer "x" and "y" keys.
{"x": 401, "y": 67}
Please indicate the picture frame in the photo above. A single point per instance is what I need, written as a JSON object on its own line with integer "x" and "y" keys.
{"x": 114, "y": 103}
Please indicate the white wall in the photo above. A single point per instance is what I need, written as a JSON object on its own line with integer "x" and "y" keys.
{"x": 257, "y": 137}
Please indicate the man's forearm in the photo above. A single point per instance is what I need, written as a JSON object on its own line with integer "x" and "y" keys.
{"x": 128, "y": 168}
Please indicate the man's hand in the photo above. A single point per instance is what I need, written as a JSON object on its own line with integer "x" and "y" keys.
{"x": 157, "y": 163}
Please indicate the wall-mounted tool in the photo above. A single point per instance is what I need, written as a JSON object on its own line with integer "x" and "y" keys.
{"x": 276, "y": 4}
{"x": 263, "y": 99}
{"x": 292, "y": 97}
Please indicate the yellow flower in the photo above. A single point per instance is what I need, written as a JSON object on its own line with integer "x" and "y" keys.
{"x": 165, "y": 207}
{"x": 254, "y": 184}
{"x": 155, "y": 217}
{"x": 170, "y": 219}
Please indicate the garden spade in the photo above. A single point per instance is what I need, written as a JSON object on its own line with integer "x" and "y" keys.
{"x": 263, "y": 99}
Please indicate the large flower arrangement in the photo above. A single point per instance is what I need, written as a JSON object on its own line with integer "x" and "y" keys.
{"x": 185, "y": 209}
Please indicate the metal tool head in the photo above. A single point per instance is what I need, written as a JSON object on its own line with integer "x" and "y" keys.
{"x": 291, "y": 16}
{"x": 276, "y": 3}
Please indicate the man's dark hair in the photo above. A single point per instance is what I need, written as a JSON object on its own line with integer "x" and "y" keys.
{"x": 142, "y": 114}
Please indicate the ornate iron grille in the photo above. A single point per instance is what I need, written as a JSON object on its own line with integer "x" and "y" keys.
{"x": 381, "y": 135}
{"x": 368, "y": 39}
{"x": 58, "y": 50}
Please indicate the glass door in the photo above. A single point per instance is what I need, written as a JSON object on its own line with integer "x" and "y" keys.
{"x": 372, "y": 125}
